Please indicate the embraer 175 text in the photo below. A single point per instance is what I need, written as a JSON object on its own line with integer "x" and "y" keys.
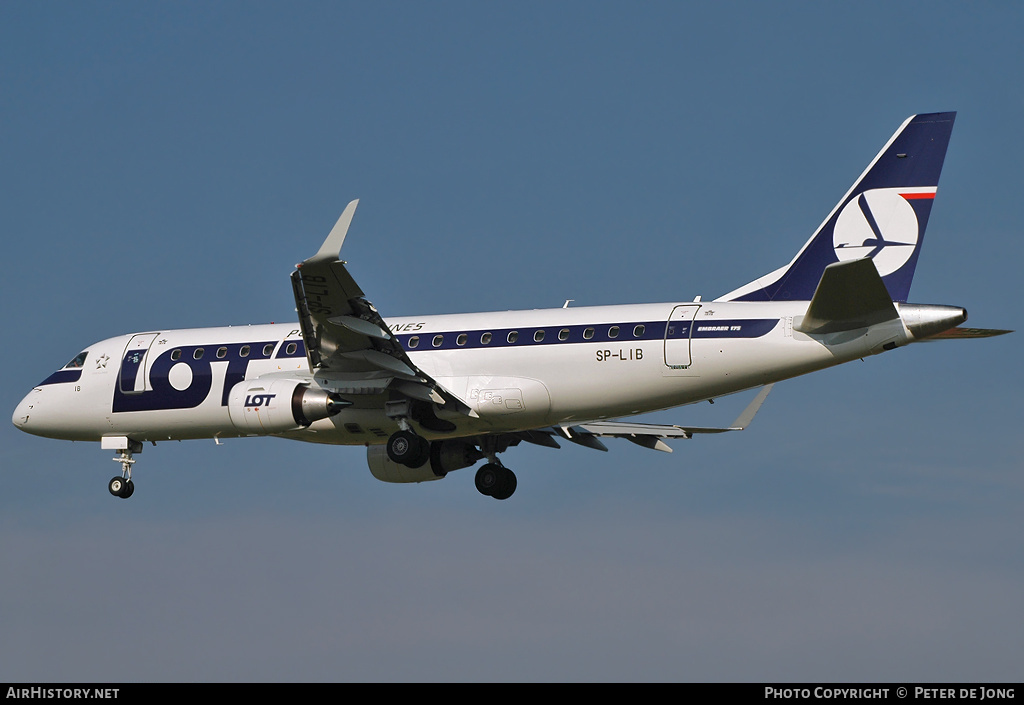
{"x": 431, "y": 394}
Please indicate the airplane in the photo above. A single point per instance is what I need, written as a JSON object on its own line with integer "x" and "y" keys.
{"x": 428, "y": 395}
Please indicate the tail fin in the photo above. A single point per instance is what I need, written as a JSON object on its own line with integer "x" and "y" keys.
{"x": 882, "y": 217}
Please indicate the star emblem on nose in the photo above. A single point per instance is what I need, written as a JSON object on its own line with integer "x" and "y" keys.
{"x": 101, "y": 361}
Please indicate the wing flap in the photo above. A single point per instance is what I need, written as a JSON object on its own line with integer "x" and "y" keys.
{"x": 643, "y": 434}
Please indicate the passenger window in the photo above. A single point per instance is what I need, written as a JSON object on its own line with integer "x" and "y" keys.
{"x": 244, "y": 351}
{"x": 438, "y": 339}
{"x": 461, "y": 340}
{"x": 638, "y": 331}
{"x": 538, "y": 336}
{"x": 268, "y": 349}
{"x": 485, "y": 339}
{"x": 563, "y": 334}
{"x": 198, "y": 354}
{"x": 222, "y": 353}
{"x": 613, "y": 332}
{"x": 290, "y": 350}
{"x": 79, "y": 360}
{"x": 176, "y": 355}
{"x": 513, "y": 336}
{"x": 414, "y": 341}
{"x": 588, "y": 333}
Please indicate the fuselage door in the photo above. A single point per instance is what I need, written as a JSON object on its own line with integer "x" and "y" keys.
{"x": 134, "y": 377}
{"x": 678, "y": 334}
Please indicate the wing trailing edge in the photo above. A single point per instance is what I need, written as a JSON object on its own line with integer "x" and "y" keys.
{"x": 643, "y": 434}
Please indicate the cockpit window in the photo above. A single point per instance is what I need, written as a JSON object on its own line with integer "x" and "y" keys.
{"x": 79, "y": 361}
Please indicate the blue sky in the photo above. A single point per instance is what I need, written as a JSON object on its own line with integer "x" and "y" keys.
{"x": 164, "y": 165}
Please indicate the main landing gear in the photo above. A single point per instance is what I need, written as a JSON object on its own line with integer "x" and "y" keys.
{"x": 407, "y": 448}
{"x": 495, "y": 480}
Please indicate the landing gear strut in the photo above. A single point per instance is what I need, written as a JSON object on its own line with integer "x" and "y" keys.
{"x": 405, "y": 446}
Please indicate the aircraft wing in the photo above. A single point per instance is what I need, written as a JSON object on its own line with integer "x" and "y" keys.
{"x": 643, "y": 434}
{"x": 346, "y": 339}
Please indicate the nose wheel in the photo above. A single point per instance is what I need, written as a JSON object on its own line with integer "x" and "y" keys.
{"x": 120, "y": 487}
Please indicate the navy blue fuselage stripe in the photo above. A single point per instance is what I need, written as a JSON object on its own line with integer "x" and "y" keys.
{"x": 299, "y": 351}
{"x": 652, "y": 331}
{"x": 162, "y": 395}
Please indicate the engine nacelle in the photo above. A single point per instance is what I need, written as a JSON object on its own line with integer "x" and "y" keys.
{"x": 445, "y": 456}
{"x": 276, "y": 406}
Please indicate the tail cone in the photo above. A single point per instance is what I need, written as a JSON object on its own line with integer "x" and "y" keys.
{"x": 924, "y": 320}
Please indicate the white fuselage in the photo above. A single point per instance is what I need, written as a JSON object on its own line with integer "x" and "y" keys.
{"x": 516, "y": 370}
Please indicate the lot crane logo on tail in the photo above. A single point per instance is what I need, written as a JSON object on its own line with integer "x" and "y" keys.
{"x": 879, "y": 224}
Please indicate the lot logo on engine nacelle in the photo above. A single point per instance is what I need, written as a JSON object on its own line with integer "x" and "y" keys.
{"x": 258, "y": 400}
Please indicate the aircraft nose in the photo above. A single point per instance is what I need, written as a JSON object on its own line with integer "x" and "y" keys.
{"x": 25, "y": 409}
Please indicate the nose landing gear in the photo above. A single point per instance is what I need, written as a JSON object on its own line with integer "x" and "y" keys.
{"x": 123, "y": 486}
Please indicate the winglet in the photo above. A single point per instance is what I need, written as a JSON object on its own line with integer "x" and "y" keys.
{"x": 331, "y": 248}
{"x": 744, "y": 419}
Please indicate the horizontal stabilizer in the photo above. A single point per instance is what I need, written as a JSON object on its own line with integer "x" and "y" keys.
{"x": 850, "y": 295}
